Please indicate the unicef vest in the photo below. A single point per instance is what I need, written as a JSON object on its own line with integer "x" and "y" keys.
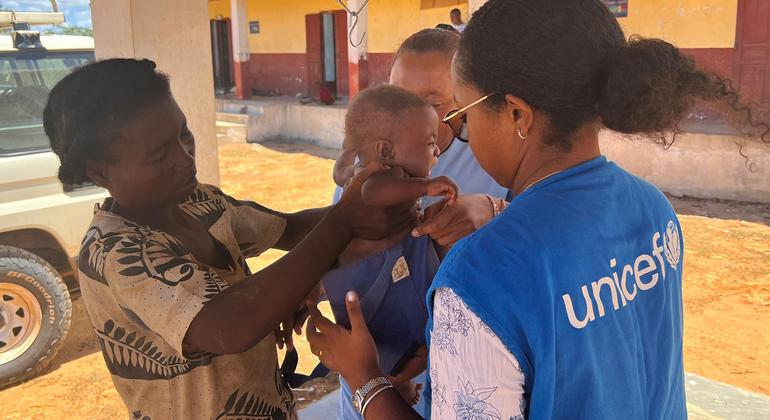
{"x": 581, "y": 278}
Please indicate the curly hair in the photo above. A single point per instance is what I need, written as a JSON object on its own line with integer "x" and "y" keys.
{"x": 571, "y": 60}
{"x": 375, "y": 111}
{"x": 84, "y": 107}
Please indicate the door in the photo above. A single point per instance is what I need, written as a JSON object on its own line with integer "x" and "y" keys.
{"x": 752, "y": 60}
{"x": 327, "y": 51}
{"x": 314, "y": 53}
{"x": 221, "y": 55}
{"x": 341, "y": 50}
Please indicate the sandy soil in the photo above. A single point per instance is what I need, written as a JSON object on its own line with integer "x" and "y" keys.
{"x": 726, "y": 291}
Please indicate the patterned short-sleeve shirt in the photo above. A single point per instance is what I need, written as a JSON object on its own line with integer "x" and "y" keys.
{"x": 142, "y": 289}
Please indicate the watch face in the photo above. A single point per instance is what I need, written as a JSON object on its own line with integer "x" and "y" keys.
{"x": 356, "y": 405}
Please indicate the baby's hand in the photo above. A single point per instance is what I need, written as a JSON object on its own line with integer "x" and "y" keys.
{"x": 410, "y": 391}
{"x": 443, "y": 186}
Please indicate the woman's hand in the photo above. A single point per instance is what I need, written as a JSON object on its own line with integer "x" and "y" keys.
{"x": 351, "y": 353}
{"x": 448, "y": 224}
{"x": 443, "y": 186}
{"x": 370, "y": 222}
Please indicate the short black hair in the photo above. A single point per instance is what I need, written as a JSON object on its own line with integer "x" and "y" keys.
{"x": 79, "y": 118}
{"x": 455, "y": 11}
{"x": 431, "y": 40}
{"x": 374, "y": 111}
{"x": 571, "y": 60}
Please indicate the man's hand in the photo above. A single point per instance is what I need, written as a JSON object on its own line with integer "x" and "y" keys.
{"x": 448, "y": 224}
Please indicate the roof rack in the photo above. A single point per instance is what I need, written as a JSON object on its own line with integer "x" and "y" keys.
{"x": 9, "y": 19}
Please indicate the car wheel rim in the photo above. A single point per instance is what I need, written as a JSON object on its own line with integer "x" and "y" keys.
{"x": 20, "y": 321}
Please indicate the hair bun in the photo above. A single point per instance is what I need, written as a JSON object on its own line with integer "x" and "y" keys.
{"x": 649, "y": 87}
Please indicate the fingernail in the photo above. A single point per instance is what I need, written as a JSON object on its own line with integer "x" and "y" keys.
{"x": 351, "y": 296}
{"x": 415, "y": 233}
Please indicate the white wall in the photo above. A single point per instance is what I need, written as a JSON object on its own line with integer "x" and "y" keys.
{"x": 697, "y": 165}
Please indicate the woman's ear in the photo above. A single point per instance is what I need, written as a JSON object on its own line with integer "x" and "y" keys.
{"x": 95, "y": 171}
{"x": 521, "y": 113}
{"x": 385, "y": 150}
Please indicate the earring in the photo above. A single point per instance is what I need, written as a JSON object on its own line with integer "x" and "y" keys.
{"x": 521, "y": 136}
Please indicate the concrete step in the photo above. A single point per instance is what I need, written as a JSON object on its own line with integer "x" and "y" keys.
{"x": 234, "y": 118}
{"x": 232, "y": 129}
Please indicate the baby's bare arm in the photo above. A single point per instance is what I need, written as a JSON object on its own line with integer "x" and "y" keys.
{"x": 391, "y": 186}
{"x": 413, "y": 367}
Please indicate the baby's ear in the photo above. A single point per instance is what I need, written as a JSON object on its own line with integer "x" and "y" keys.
{"x": 385, "y": 150}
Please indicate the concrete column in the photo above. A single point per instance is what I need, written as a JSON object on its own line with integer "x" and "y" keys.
{"x": 358, "y": 47}
{"x": 239, "y": 24}
{"x": 175, "y": 34}
{"x": 474, "y": 5}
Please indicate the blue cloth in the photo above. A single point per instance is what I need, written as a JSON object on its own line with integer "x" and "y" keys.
{"x": 458, "y": 163}
{"x": 392, "y": 302}
{"x": 581, "y": 279}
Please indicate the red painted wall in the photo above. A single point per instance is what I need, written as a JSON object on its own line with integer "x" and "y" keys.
{"x": 287, "y": 72}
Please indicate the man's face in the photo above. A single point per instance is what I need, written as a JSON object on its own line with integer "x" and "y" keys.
{"x": 455, "y": 17}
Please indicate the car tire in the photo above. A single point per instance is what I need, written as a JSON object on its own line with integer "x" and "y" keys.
{"x": 35, "y": 312}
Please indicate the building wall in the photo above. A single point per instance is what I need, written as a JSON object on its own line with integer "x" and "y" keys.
{"x": 278, "y": 51}
{"x": 704, "y": 29}
{"x": 684, "y": 23}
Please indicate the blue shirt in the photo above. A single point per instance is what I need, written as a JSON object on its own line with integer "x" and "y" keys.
{"x": 391, "y": 285}
{"x": 458, "y": 164}
{"x": 581, "y": 279}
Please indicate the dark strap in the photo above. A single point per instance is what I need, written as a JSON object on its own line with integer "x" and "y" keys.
{"x": 294, "y": 379}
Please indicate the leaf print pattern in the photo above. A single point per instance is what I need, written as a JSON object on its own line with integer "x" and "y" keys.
{"x": 131, "y": 356}
{"x": 471, "y": 403}
{"x": 449, "y": 323}
{"x": 248, "y": 406}
{"x": 206, "y": 205}
{"x": 143, "y": 252}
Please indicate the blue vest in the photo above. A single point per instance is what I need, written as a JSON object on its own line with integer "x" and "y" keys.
{"x": 581, "y": 279}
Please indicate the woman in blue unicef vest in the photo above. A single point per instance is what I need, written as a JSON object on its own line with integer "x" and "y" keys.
{"x": 568, "y": 304}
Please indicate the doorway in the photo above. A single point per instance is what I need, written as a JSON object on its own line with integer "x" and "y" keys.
{"x": 327, "y": 52}
{"x": 221, "y": 54}
{"x": 752, "y": 52}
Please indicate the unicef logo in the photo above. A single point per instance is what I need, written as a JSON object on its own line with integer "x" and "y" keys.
{"x": 672, "y": 247}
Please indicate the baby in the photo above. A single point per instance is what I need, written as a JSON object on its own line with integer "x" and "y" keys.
{"x": 396, "y": 130}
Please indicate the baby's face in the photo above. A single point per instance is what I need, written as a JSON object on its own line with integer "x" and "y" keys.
{"x": 414, "y": 142}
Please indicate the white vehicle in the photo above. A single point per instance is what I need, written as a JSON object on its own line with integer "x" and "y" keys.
{"x": 41, "y": 221}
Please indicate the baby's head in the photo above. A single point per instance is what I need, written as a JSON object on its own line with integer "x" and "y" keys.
{"x": 392, "y": 126}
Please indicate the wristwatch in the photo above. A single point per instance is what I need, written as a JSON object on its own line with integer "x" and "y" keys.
{"x": 360, "y": 395}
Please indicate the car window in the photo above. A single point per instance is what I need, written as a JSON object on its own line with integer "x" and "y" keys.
{"x": 25, "y": 80}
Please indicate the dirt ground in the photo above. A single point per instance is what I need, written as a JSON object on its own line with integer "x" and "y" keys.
{"x": 726, "y": 290}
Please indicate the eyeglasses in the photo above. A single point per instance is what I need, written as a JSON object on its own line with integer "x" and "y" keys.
{"x": 451, "y": 115}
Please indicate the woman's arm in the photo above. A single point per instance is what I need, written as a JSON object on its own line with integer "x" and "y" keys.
{"x": 243, "y": 314}
{"x": 448, "y": 224}
{"x": 353, "y": 354}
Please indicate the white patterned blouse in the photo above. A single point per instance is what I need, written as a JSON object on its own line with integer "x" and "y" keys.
{"x": 473, "y": 375}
